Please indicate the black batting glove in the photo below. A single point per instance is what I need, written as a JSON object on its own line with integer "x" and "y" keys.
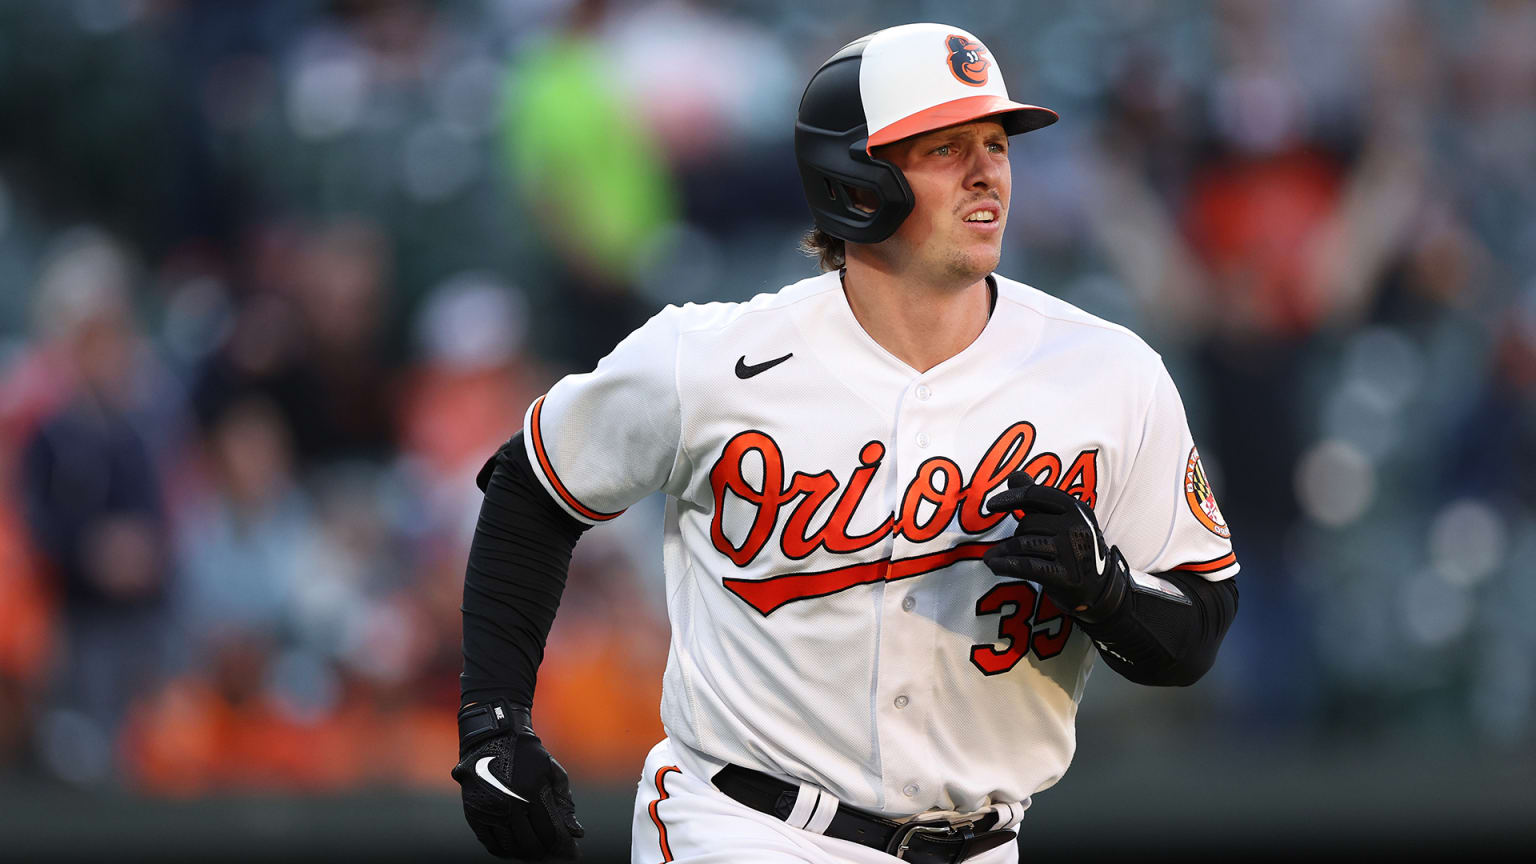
{"x": 517, "y": 798}
{"x": 1058, "y": 545}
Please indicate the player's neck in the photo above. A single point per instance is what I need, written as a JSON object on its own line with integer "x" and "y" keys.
{"x": 921, "y": 325}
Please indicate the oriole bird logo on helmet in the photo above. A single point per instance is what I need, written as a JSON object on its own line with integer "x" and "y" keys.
{"x": 967, "y": 60}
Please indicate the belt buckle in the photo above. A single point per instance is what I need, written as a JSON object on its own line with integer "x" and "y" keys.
{"x": 902, "y": 840}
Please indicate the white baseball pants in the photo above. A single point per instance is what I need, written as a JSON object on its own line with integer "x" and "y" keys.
{"x": 681, "y": 817}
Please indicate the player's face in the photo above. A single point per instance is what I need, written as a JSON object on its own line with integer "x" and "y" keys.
{"x": 961, "y": 180}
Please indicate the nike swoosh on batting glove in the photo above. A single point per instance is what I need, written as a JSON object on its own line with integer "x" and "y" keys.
{"x": 517, "y": 798}
{"x": 1059, "y": 546}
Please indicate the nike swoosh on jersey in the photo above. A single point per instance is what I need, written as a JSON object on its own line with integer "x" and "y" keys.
{"x": 483, "y": 768}
{"x": 743, "y": 371}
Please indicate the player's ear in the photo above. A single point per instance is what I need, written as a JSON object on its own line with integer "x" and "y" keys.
{"x": 864, "y": 199}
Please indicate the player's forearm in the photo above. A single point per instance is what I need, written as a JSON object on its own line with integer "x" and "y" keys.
{"x": 1152, "y": 639}
{"x": 512, "y": 585}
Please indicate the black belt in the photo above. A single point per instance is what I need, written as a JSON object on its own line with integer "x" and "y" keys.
{"x": 921, "y": 842}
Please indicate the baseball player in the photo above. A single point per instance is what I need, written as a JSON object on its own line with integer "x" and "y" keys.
{"x": 910, "y": 503}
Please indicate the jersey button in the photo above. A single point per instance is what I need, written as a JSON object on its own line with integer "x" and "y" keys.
{"x": 901, "y": 701}
{"x": 909, "y": 790}
{"x": 907, "y": 604}
{"x": 922, "y": 439}
{"x": 923, "y": 392}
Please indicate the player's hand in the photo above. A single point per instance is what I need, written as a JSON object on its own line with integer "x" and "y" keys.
{"x": 1058, "y": 545}
{"x": 517, "y": 798}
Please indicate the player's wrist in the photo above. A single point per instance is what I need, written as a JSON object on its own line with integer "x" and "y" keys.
{"x": 1116, "y": 587}
{"x": 482, "y": 721}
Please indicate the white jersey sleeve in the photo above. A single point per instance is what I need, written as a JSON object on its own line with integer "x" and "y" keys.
{"x": 1167, "y": 518}
{"x": 602, "y": 440}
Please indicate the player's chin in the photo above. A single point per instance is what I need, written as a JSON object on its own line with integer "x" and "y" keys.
{"x": 965, "y": 273}
{"x": 977, "y": 261}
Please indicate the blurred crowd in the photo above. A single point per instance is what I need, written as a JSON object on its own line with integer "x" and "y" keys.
{"x": 275, "y": 279}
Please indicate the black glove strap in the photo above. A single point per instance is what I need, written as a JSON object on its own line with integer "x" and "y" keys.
{"x": 1117, "y": 583}
{"x": 488, "y": 719}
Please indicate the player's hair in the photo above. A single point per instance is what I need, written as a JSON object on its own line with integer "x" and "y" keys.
{"x": 830, "y": 252}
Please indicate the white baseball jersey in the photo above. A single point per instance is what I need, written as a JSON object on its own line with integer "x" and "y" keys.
{"x": 831, "y": 618}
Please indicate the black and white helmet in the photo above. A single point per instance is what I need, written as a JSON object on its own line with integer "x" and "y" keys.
{"x": 889, "y": 85}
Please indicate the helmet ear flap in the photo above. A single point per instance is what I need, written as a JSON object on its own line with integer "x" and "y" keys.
{"x": 852, "y": 195}
{"x": 891, "y": 197}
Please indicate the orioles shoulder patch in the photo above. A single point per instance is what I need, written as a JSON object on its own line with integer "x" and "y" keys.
{"x": 1202, "y": 500}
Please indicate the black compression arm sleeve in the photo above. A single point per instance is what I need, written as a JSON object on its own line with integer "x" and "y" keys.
{"x": 1152, "y": 639}
{"x": 517, "y": 567}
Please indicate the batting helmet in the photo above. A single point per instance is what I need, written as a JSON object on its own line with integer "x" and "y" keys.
{"x": 883, "y": 87}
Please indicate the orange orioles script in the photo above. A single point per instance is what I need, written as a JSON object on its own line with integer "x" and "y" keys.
{"x": 937, "y": 482}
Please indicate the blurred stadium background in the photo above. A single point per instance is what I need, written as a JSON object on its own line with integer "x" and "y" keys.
{"x": 276, "y": 277}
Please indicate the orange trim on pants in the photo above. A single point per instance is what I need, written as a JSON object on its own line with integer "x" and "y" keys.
{"x": 661, "y": 829}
